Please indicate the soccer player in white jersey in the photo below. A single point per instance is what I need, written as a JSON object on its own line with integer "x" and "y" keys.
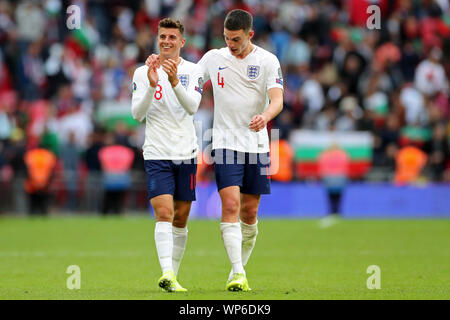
{"x": 166, "y": 93}
{"x": 248, "y": 92}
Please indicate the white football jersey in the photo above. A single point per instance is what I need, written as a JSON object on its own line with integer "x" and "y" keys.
{"x": 169, "y": 131}
{"x": 240, "y": 89}
{"x": 430, "y": 77}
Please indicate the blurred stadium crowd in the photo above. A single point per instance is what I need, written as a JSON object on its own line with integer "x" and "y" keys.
{"x": 69, "y": 90}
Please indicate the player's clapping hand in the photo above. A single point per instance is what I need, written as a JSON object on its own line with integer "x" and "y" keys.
{"x": 258, "y": 122}
{"x": 152, "y": 60}
{"x": 171, "y": 68}
{"x": 152, "y": 63}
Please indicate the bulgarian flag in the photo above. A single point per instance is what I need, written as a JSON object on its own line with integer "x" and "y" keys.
{"x": 417, "y": 136}
{"x": 308, "y": 145}
{"x": 111, "y": 111}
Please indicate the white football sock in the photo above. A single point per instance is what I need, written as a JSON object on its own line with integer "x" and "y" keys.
{"x": 164, "y": 244}
{"x": 179, "y": 245}
{"x": 232, "y": 240}
{"x": 249, "y": 233}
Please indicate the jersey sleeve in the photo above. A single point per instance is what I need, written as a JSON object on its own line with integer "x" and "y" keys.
{"x": 274, "y": 73}
{"x": 203, "y": 63}
{"x": 198, "y": 80}
{"x": 142, "y": 95}
{"x": 190, "y": 97}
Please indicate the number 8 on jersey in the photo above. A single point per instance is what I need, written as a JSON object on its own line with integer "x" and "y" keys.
{"x": 158, "y": 92}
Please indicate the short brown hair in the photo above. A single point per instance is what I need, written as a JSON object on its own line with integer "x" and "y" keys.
{"x": 170, "y": 23}
{"x": 239, "y": 19}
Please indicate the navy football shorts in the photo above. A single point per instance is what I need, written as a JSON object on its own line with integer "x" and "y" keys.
{"x": 249, "y": 171}
{"x": 175, "y": 177}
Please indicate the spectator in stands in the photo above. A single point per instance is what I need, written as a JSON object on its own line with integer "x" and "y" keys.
{"x": 350, "y": 114}
{"x": 297, "y": 52}
{"x": 281, "y": 161}
{"x": 116, "y": 161}
{"x": 40, "y": 164}
{"x": 376, "y": 101}
{"x": 14, "y": 155}
{"x": 353, "y": 67}
{"x": 33, "y": 79}
{"x": 70, "y": 157}
{"x": 326, "y": 118}
{"x": 430, "y": 77}
{"x": 334, "y": 170}
{"x": 409, "y": 163}
{"x": 439, "y": 152}
{"x": 121, "y": 134}
{"x": 388, "y": 143}
{"x": 409, "y": 60}
{"x": 313, "y": 98}
{"x": 31, "y": 21}
{"x": 94, "y": 171}
{"x": 413, "y": 102}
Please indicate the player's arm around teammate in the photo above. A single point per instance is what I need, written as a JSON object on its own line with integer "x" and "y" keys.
{"x": 165, "y": 94}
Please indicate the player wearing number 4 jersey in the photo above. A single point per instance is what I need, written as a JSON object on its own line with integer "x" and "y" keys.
{"x": 248, "y": 92}
{"x": 166, "y": 93}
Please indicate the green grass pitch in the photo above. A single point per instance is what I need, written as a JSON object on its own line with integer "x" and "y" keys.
{"x": 293, "y": 259}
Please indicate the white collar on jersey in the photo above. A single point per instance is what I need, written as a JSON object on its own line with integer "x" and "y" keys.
{"x": 255, "y": 47}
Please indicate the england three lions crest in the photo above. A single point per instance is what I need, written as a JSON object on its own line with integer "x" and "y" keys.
{"x": 184, "y": 79}
{"x": 252, "y": 72}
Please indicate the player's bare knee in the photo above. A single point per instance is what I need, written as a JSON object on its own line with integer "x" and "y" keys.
{"x": 181, "y": 214}
{"x": 249, "y": 217}
{"x": 164, "y": 213}
{"x": 249, "y": 212}
{"x": 180, "y": 221}
{"x": 230, "y": 207}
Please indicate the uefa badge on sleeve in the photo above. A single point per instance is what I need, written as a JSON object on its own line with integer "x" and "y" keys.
{"x": 199, "y": 89}
{"x": 279, "y": 80}
{"x": 280, "y": 73}
{"x": 252, "y": 72}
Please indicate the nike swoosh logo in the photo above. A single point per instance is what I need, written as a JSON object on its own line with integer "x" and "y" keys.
{"x": 221, "y": 68}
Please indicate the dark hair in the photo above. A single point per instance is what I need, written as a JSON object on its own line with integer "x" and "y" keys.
{"x": 239, "y": 19}
{"x": 170, "y": 23}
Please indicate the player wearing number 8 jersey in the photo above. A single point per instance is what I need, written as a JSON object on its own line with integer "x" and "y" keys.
{"x": 247, "y": 85}
{"x": 166, "y": 93}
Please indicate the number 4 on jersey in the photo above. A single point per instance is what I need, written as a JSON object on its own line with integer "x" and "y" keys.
{"x": 220, "y": 80}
